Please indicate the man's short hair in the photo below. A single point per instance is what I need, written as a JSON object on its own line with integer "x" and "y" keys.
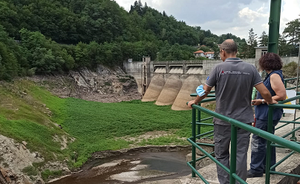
{"x": 229, "y": 46}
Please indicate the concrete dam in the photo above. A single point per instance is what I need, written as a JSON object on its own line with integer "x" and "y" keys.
{"x": 170, "y": 82}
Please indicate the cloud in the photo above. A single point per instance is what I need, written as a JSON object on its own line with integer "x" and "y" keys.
{"x": 221, "y": 17}
{"x": 290, "y": 10}
{"x": 251, "y": 15}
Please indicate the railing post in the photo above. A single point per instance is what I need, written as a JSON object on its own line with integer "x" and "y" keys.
{"x": 233, "y": 153}
{"x": 269, "y": 149}
{"x": 198, "y": 119}
{"x": 194, "y": 140}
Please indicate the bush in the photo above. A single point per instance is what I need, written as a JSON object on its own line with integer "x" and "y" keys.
{"x": 290, "y": 69}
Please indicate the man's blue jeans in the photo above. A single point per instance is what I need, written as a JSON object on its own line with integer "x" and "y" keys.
{"x": 259, "y": 148}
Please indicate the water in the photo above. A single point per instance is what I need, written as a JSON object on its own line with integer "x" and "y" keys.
{"x": 170, "y": 164}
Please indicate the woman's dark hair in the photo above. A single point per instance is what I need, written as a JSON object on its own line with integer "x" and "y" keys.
{"x": 270, "y": 61}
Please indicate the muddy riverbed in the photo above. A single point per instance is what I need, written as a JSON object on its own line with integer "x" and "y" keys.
{"x": 134, "y": 166}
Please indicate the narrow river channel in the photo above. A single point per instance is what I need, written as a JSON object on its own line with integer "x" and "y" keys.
{"x": 133, "y": 168}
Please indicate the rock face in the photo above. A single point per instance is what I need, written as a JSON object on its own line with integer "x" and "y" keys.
{"x": 102, "y": 85}
{"x": 14, "y": 157}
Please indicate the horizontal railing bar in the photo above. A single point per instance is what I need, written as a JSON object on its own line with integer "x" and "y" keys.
{"x": 296, "y": 122}
{"x": 282, "y": 160}
{"x": 288, "y": 100}
{"x": 282, "y": 125}
{"x": 202, "y": 157}
{"x": 208, "y": 100}
{"x": 289, "y": 88}
{"x": 211, "y": 157}
{"x": 287, "y": 79}
{"x": 238, "y": 178}
{"x": 205, "y": 144}
{"x": 285, "y": 174}
{"x": 210, "y": 135}
{"x": 205, "y": 133}
{"x": 286, "y": 106}
{"x": 277, "y": 146}
{"x": 198, "y": 123}
{"x": 261, "y": 133}
{"x": 208, "y": 124}
{"x": 195, "y": 94}
{"x": 207, "y": 118}
{"x": 284, "y": 136}
{"x": 200, "y": 176}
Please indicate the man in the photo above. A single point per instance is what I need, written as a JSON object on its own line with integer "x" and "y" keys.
{"x": 233, "y": 81}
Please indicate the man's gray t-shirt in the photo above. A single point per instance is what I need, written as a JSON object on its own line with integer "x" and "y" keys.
{"x": 234, "y": 80}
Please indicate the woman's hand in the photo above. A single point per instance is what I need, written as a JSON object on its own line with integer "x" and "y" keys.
{"x": 256, "y": 102}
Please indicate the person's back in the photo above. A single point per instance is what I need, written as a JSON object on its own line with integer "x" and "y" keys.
{"x": 233, "y": 88}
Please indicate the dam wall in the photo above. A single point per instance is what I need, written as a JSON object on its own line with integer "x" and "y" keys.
{"x": 171, "y": 82}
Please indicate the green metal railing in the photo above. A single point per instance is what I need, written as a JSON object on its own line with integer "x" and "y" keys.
{"x": 278, "y": 141}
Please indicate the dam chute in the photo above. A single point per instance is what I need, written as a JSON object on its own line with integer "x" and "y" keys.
{"x": 189, "y": 86}
{"x": 155, "y": 87}
{"x": 170, "y": 91}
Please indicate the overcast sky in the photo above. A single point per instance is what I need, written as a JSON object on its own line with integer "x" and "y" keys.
{"x": 224, "y": 16}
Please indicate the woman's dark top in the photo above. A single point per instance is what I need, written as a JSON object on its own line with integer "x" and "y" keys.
{"x": 261, "y": 111}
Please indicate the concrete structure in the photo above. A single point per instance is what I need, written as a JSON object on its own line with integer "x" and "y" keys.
{"x": 260, "y": 51}
{"x": 200, "y": 68}
{"x": 184, "y": 76}
{"x": 152, "y": 76}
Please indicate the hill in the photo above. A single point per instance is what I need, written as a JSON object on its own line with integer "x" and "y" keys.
{"x": 58, "y": 36}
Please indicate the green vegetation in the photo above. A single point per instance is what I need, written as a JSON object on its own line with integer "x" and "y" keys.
{"x": 57, "y": 36}
{"x": 290, "y": 69}
{"x": 97, "y": 126}
{"x": 24, "y": 116}
{"x": 30, "y": 171}
{"x": 46, "y": 173}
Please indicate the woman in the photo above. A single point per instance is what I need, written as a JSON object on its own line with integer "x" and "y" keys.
{"x": 272, "y": 64}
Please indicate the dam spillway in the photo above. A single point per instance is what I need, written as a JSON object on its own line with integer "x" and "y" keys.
{"x": 171, "y": 82}
{"x": 170, "y": 91}
{"x": 154, "y": 89}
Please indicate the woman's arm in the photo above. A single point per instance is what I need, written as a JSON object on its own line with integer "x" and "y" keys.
{"x": 278, "y": 87}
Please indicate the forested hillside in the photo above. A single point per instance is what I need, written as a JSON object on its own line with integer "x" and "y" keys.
{"x": 45, "y": 36}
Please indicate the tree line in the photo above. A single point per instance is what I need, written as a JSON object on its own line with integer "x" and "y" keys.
{"x": 45, "y": 36}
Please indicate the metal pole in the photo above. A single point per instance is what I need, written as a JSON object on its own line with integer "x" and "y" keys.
{"x": 194, "y": 140}
{"x": 199, "y": 121}
{"x": 233, "y": 153}
{"x": 274, "y": 22}
{"x": 269, "y": 148}
{"x": 293, "y": 138}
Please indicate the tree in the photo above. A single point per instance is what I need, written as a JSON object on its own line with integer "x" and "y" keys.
{"x": 252, "y": 43}
{"x": 8, "y": 63}
{"x": 263, "y": 39}
{"x": 292, "y": 31}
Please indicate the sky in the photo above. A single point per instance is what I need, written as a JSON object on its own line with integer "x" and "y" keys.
{"x": 224, "y": 16}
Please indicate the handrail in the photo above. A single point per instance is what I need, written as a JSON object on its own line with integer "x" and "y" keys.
{"x": 261, "y": 133}
{"x": 237, "y": 124}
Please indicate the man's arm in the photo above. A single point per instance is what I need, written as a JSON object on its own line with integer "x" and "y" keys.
{"x": 198, "y": 99}
{"x": 265, "y": 93}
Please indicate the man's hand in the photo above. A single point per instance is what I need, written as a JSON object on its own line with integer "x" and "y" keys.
{"x": 273, "y": 102}
{"x": 192, "y": 102}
